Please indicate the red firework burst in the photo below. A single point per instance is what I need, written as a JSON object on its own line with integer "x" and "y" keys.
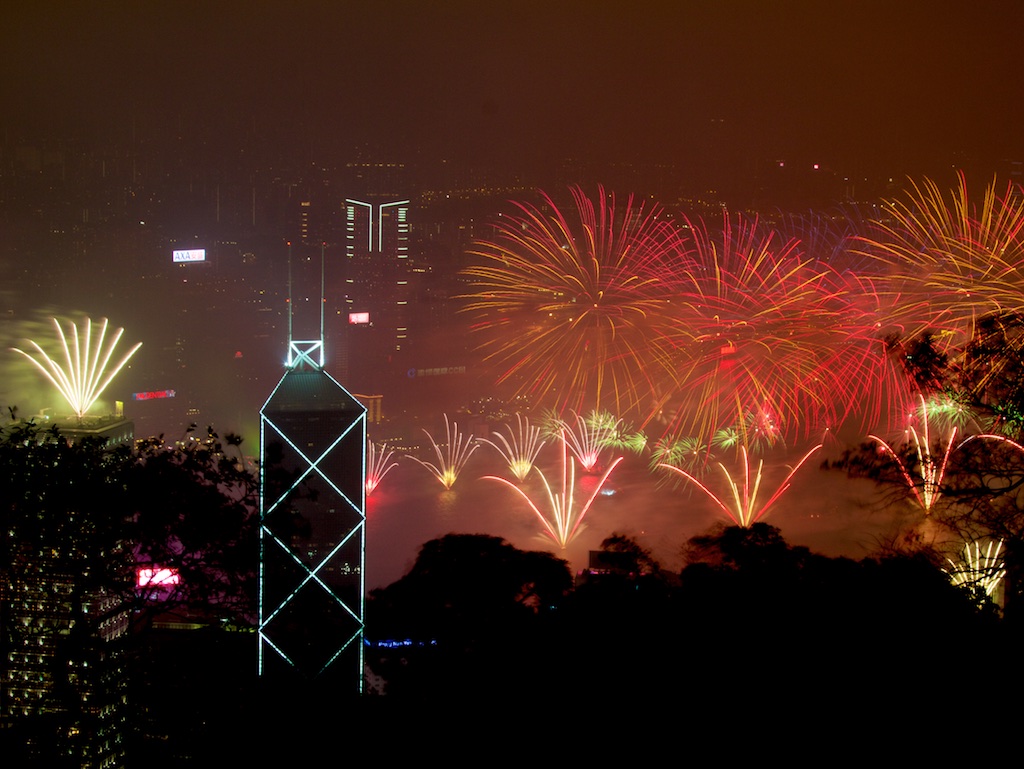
{"x": 768, "y": 334}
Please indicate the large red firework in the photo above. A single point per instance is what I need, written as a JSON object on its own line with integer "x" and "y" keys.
{"x": 772, "y": 338}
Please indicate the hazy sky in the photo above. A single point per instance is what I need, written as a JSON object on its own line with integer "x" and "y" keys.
{"x": 522, "y": 82}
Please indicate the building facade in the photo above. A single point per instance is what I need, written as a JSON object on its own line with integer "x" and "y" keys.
{"x": 312, "y": 526}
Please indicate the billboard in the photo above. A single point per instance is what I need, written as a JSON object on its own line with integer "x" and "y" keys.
{"x": 188, "y": 255}
{"x": 152, "y": 394}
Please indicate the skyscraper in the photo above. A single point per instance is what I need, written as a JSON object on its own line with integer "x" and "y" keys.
{"x": 378, "y": 278}
{"x": 312, "y": 534}
{"x": 64, "y": 617}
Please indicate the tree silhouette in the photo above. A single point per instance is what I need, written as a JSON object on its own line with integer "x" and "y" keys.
{"x": 466, "y": 618}
{"x": 78, "y": 521}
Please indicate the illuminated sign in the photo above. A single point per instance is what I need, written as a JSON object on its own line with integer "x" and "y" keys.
{"x": 189, "y": 255}
{"x": 149, "y": 576}
{"x": 152, "y": 395}
{"x": 357, "y": 318}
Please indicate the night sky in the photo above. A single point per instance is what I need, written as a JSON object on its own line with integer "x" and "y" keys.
{"x": 708, "y": 86}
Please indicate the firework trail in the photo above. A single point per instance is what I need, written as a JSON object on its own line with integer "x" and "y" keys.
{"x": 87, "y": 370}
{"x": 378, "y": 464}
{"x": 564, "y": 517}
{"x": 458, "y": 448}
{"x": 741, "y": 505}
{"x": 930, "y": 467}
{"x": 976, "y": 571}
{"x": 690, "y": 454}
{"x": 571, "y": 305}
{"x": 520, "y": 448}
{"x": 588, "y": 436}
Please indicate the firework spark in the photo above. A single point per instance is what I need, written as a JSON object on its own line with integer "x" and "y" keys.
{"x": 976, "y": 571}
{"x": 588, "y": 436}
{"x": 944, "y": 261}
{"x": 520, "y": 448}
{"x": 931, "y": 468}
{"x": 378, "y": 464}
{"x": 87, "y": 369}
{"x": 947, "y": 411}
{"x": 765, "y": 330}
{"x": 564, "y": 519}
{"x": 572, "y": 303}
{"x": 458, "y": 448}
{"x": 690, "y": 454}
{"x": 743, "y": 508}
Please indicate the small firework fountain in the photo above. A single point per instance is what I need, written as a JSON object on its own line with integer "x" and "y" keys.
{"x": 87, "y": 368}
{"x": 745, "y": 509}
{"x": 520, "y": 448}
{"x": 978, "y": 572}
{"x": 450, "y": 461}
{"x": 378, "y": 464}
{"x": 565, "y": 519}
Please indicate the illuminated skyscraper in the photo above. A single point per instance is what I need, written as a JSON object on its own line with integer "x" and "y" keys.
{"x": 378, "y": 269}
{"x": 312, "y": 534}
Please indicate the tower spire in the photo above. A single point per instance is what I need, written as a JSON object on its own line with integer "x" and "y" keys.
{"x": 305, "y": 353}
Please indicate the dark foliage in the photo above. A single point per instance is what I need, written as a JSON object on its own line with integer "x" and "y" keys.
{"x": 749, "y": 615}
{"x": 471, "y": 614}
{"x": 920, "y": 358}
{"x": 192, "y": 509}
{"x": 77, "y": 521}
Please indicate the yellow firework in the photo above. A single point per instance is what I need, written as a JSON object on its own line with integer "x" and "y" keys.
{"x": 571, "y": 306}
{"x": 86, "y": 369}
{"x": 943, "y": 260}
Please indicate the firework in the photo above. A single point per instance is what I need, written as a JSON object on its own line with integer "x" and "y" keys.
{"x": 947, "y": 411}
{"x": 458, "y": 448}
{"x": 378, "y": 464}
{"x": 564, "y": 519}
{"x": 757, "y": 432}
{"x": 572, "y": 305}
{"x": 520, "y": 448}
{"x": 87, "y": 368}
{"x": 976, "y": 571}
{"x": 931, "y": 468}
{"x": 587, "y": 436}
{"x": 944, "y": 260}
{"x": 742, "y": 506}
{"x": 690, "y": 454}
{"x": 766, "y": 336}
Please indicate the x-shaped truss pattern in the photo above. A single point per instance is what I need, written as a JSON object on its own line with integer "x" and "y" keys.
{"x": 312, "y": 535}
